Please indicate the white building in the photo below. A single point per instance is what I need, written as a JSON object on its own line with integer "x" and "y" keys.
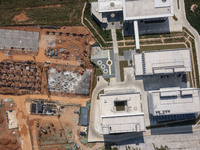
{"x": 162, "y": 62}
{"x": 173, "y": 101}
{"x": 121, "y": 113}
{"x": 132, "y": 10}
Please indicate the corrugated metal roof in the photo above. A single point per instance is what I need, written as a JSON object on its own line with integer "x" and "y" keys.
{"x": 84, "y": 116}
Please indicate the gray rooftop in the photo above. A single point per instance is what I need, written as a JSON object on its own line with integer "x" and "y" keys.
{"x": 129, "y": 119}
{"x": 174, "y": 101}
{"x": 145, "y": 9}
{"x": 84, "y": 116}
{"x": 162, "y": 62}
{"x": 109, "y": 5}
{"x": 17, "y": 39}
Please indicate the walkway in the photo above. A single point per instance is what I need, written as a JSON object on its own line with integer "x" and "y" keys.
{"x": 116, "y": 56}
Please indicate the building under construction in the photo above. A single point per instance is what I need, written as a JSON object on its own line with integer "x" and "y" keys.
{"x": 62, "y": 81}
{"x": 44, "y": 107}
{"x": 22, "y": 77}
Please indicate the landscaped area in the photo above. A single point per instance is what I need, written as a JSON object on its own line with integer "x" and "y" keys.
{"x": 192, "y": 8}
{"x": 45, "y": 12}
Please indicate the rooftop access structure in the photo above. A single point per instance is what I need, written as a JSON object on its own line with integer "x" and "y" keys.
{"x": 162, "y": 62}
{"x": 121, "y": 112}
{"x": 105, "y": 11}
{"x": 174, "y": 103}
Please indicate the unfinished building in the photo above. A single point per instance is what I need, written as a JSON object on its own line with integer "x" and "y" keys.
{"x": 62, "y": 81}
{"x": 44, "y": 107}
{"x": 162, "y": 62}
{"x": 121, "y": 112}
{"x": 20, "y": 77}
{"x": 19, "y": 40}
{"x": 171, "y": 104}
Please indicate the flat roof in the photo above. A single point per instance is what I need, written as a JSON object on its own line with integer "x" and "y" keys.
{"x": 110, "y": 5}
{"x": 19, "y": 39}
{"x": 145, "y": 9}
{"x": 84, "y": 116}
{"x": 174, "y": 101}
{"x": 162, "y": 62}
{"x": 129, "y": 119}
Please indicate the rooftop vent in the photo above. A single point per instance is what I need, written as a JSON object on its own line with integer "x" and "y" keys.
{"x": 112, "y": 4}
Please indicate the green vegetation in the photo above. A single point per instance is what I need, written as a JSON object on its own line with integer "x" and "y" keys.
{"x": 120, "y": 44}
{"x": 175, "y": 18}
{"x": 187, "y": 31}
{"x": 129, "y": 38}
{"x": 129, "y": 43}
{"x": 193, "y": 17}
{"x": 97, "y": 72}
{"x": 105, "y": 34}
{"x": 101, "y": 92}
{"x": 161, "y": 47}
{"x": 195, "y": 62}
{"x": 58, "y": 14}
{"x": 119, "y": 34}
{"x": 151, "y": 42}
{"x": 121, "y": 51}
{"x": 161, "y": 147}
{"x": 175, "y": 40}
{"x": 122, "y": 64}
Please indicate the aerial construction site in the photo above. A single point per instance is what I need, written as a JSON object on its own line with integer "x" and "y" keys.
{"x": 46, "y": 78}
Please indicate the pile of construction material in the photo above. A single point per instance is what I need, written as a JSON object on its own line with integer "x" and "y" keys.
{"x": 20, "y": 76}
{"x": 44, "y": 107}
{"x": 61, "y": 53}
{"x": 62, "y": 81}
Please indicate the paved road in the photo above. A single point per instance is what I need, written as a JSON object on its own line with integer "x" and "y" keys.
{"x": 182, "y": 21}
{"x": 187, "y": 141}
{"x": 116, "y": 55}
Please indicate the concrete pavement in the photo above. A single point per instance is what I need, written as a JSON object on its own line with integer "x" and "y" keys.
{"x": 183, "y": 22}
{"x": 116, "y": 55}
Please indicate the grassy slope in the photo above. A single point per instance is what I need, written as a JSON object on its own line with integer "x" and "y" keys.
{"x": 193, "y": 18}
{"x": 68, "y": 14}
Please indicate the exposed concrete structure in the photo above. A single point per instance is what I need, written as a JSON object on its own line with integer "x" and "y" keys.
{"x": 12, "y": 119}
{"x": 171, "y": 101}
{"x": 121, "y": 113}
{"x": 63, "y": 81}
{"x": 16, "y": 39}
{"x": 162, "y": 62}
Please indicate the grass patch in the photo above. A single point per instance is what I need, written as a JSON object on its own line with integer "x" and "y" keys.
{"x": 106, "y": 34}
{"x": 101, "y": 92}
{"x": 195, "y": 62}
{"x": 186, "y": 30}
{"x": 129, "y": 38}
{"x": 151, "y": 42}
{"x": 174, "y": 40}
{"x": 121, "y": 44}
{"x": 63, "y": 15}
{"x": 193, "y": 17}
{"x": 161, "y": 47}
{"x": 119, "y": 34}
{"x": 123, "y": 64}
{"x": 121, "y": 51}
{"x": 129, "y": 43}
